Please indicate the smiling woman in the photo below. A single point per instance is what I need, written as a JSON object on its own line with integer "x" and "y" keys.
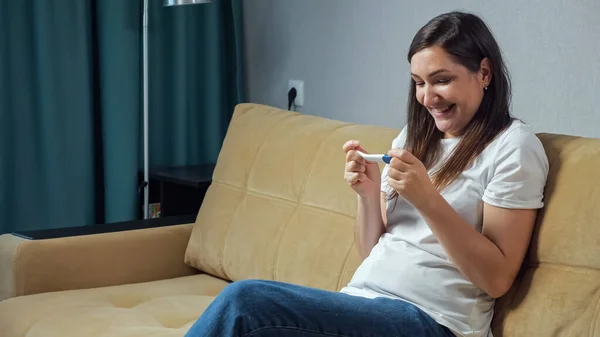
{"x": 455, "y": 62}
{"x": 460, "y": 194}
{"x": 442, "y": 230}
{"x": 449, "y": 91}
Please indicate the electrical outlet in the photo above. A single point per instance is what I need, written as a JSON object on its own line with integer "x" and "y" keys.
{"x": 299, "y": 85}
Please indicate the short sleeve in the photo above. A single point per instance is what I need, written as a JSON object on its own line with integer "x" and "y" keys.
{"x": 520, "y": 171}
{"x": 397, "y": 143}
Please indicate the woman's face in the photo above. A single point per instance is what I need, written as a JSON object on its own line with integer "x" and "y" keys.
{"x": 450, "y": 92}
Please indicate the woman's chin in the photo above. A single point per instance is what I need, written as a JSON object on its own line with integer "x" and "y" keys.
{"x": 447, "y": 128}
{"x": 443, "y": 126}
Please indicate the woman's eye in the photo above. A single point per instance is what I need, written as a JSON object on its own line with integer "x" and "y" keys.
{"x": 420, "y": 84}
{"x": 444, "y": 81}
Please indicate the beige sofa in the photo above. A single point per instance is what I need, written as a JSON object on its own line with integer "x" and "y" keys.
{"x": 278, "y": 208}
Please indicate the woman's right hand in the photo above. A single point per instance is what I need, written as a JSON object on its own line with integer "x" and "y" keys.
{"x": 363, "y": 176}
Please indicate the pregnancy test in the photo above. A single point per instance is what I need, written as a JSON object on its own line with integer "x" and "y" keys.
{"x": 378, "y": 158}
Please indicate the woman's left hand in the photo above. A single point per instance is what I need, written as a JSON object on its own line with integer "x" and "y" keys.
{"x": 408, "y": 176}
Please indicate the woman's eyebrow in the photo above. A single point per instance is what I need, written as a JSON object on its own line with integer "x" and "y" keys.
{"x": 432, "y": 73}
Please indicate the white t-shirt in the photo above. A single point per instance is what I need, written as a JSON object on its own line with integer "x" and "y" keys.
{"x": 409, "y": 263}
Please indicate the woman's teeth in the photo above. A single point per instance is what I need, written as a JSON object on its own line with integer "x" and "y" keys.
{"x": 441, "y": 110}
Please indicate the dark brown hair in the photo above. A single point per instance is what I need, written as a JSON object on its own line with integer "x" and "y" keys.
{"x": 467, "y": 39}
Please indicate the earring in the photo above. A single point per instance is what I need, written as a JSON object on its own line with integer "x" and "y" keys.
{"x": 485, "y": 88}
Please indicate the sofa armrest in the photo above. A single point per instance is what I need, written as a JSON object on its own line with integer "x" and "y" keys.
{"x": 88, "y": 261}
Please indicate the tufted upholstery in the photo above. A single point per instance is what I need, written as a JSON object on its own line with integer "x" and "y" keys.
{"x": 279, "y": 209}
{"x": 278, "y": 192}
{"x": 159, "y": 308}
{"x": 558, "y": 291}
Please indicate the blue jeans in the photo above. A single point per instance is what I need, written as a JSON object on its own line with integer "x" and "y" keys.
{"x": 256, "y": 308}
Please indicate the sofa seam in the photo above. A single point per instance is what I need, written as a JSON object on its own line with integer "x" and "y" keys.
{"x": 595, "y": 320}
{"x": 222, "y": 251}
{"x": 314, "y": 160}
{"x": 344, "y": 265}
{"x": 300, "y": 197}
{"x": 14, "y": 269}
{"x": 561, "y": 152}
{"x": 278, "y": 245}
{"x": 564, "y": 267}
{"x": 245, "y": 192}
{"x": 273, "y": 197}
{"x": 281, "y": 230}
{"x": 261, "y": 147}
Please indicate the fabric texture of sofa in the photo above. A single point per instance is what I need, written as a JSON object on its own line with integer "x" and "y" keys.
{"x": 278, "y": 208}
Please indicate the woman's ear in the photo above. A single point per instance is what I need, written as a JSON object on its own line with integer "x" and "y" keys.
{"x": 485, "y": 73}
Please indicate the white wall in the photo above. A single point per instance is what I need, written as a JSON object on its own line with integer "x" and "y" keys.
{"x": 352, "y": 56}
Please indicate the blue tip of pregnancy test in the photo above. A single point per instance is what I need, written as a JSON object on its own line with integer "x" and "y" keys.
{"x": 386, "y": 158}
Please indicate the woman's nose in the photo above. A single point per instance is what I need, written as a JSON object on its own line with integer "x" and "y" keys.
{"x": 429, "y": 96}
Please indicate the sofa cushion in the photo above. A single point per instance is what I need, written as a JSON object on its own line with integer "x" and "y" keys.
{"x": 160, "y": 308}
{"x": 278, "y": 207}
{"x": 558, "y": 291}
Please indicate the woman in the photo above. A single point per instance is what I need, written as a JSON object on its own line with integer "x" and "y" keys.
{"x": 444, "y": 228}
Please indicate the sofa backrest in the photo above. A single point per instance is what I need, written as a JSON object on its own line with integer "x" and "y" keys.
{"x": 279, "y": 209}
{"x": 558, "y": 290}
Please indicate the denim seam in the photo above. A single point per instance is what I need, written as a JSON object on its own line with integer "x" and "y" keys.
{"x": 250, "y": 333}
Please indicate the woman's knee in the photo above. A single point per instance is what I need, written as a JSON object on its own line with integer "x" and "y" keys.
{"x": 244, "y": 293}
{"x": 243, "y": 287}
